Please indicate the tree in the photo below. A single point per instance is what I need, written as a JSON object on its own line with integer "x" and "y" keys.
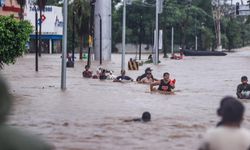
{"x": 82, "y": 11}
{"x": 22, "y": 4}
{"x": 14, "y": 35}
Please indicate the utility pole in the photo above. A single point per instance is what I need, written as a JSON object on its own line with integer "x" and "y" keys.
{"x": 64, "y": 51}
{"x": 73, "y": 38}
{"x": 196, "y": 39}
{"x": 140, "y": 37}
{"x": 172, "y": 41}
{"x": 36, "y": 32}
{"x": 100, "y": 38}
{"x": 91, "y": 34}
{"x": 156, "y": 33}
{"x": 218, "y": 27}
{"x": 123, "y": 34}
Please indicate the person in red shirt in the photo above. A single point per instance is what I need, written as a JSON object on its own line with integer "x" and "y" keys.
{"x": 87, "y": 73}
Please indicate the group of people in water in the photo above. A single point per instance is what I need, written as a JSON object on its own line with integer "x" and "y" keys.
{"x": 164, "y": 85}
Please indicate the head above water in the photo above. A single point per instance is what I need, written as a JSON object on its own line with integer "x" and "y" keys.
{"x": 166, "y": 75}
{"x": 244, "y": 79}
{"x": 87, "y": 67}
{"x": 148, "y": 70}
{"x": 146, "y": 116}
{"x": 231, "y": 110}
{"x": 5, "y": 100}
{"x": 123, "y": 72}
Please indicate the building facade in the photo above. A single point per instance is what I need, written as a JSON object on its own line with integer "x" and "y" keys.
{"x": 9, "y": 7}
{"x": 52, "y": 28}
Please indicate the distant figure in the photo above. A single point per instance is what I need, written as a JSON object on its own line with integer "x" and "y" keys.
{"x": 12, "y": 138}
{"x": 150, "y": 58}
{"x": 86, "y": 73}
{"x": 243, "y": 89}
{"x": 123, "y": 77}
{"x": 165, "y": 84}
{"x": 176, "y": 56}
{"x": 102, "y": 75}
{"x": 146, "y": 117}
{"x": 228, "y": 135}
{"x": 111, "y": 76}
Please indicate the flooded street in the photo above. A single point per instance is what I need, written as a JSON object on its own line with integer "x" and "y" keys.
{"x": 89, "y": 114}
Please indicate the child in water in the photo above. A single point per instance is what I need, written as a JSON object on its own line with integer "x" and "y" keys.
{"x": 146, "y": 117}
{"x": 228, "y": 135}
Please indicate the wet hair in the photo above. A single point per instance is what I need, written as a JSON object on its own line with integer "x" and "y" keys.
{"x": 166, "y": 73}
{"x": 87, "y": 66}
{"x": 244, "y": 78}
{"x": 231, "y": 110}
{"x": 5, "y": 100}
{"x": 146, "y": 116}
{"x": 148, "y": 69}
{"x": 123, "y": 71}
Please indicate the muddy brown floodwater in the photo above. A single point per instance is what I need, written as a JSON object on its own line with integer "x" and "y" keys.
{"x": 89, "y": 114}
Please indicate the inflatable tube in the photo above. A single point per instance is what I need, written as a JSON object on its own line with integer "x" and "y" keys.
{"x": 202, "y": 53}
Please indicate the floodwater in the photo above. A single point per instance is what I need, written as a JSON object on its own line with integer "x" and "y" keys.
{"x": 89, "y": 114}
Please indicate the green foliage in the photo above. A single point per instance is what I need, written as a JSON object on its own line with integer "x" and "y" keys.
{"x": 189, "y": 19}
{"x": 14, "y": 35}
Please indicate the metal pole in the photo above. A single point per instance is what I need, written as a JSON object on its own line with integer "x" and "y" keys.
{"x": 172, "y": 41}
{"x": 64, "y": 51}
{"x": 140, "y": 37}
{"x": 40, "y": 32}
{"x": 36, "y": 17}
{"x": 91, "y": 34}
{"x": 73, "y": 38}
{"x": 100, "y": 39}
{"x": 123, "y": 34}
{"x": 196, "y": 40}
{"x": 219, "y": 48}
{"x": 156, "y": 34}
{"x": 195, "y": 33}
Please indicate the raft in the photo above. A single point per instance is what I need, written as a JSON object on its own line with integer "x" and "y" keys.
{"x": 202, "y": 53}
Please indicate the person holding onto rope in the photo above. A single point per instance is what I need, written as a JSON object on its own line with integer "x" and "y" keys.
{"x": 148, "y": 79}
{"x": 86, "y": 73}
{"x": 165, "y": 84}
{"x": 123, "y": 77}
{"x": 147, "y": 71}
{"x": 243, "y": 89}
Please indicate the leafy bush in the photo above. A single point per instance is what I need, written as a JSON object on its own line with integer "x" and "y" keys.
{"x": 14, "y": 34}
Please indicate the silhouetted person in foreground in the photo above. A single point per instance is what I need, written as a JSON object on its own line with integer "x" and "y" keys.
{"x": 12, "y": 138}
{"x": 228, "y": 134}
{"x": 146, "y": 117}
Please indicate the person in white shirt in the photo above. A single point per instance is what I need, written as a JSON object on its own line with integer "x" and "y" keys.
{"x": 228, "y": 135}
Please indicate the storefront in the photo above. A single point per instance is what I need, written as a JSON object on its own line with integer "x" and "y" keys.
{"x": 52, "y": 27}
{"x": 9, "y": 7}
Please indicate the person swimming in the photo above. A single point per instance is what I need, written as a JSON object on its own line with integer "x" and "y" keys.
{"x": 146, "y": 117}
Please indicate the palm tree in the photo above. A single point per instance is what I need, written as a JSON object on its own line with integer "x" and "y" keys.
{"x": 22, "y": 4}
{"x": 82, "y": 11}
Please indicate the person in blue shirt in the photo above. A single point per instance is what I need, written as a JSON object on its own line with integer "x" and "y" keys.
{"x": 123, "y": 77}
